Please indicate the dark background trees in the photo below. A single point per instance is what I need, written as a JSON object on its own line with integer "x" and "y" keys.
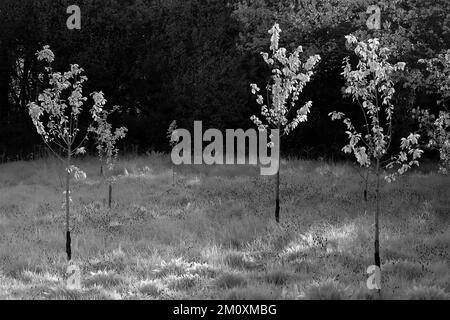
{"x": 194, "y": 59}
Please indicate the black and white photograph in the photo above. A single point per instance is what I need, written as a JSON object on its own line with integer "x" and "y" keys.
{"x": 224, "y": 156}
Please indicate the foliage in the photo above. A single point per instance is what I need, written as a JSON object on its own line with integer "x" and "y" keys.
{"x": 104, "y": 134}
{"x": 56, "y": 117}
{"x": 413, "y": 29}
{"x": 57, "y": 112}
{"x": 289, "y": 76}
{"x": 172, "y": 133}
{"x": 437, "y": 128}
{"x": 438, "y": 79}
{"x": 192, "y": 59}
{"x": 371, "y": 86}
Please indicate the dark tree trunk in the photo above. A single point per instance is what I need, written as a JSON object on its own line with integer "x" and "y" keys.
{"x": 68, "y": 244}
{"x": 109, "y": 195}
{"x": 277, "y": 196}
{"x": 277, "y": 184}
{"x": 377, "y": 218}
{"x": 377, "y": 224}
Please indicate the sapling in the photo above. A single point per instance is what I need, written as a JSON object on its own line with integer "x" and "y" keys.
{"x": 106, "y": 140}
{"x": 289, "y": 76}
{"x": 173, "y": 138}
{"x": 56, "y": 117}
{"x": 371, "y": 85}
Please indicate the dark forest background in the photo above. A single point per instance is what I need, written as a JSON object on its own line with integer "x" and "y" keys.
{"x": 189, "y": 60}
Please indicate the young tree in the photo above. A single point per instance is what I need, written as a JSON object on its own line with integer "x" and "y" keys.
{"x": 106, "y": 140}
{"x": 289, "y": 76}
{"x": 371, "y": 85}
{"x": 56, "y": 117}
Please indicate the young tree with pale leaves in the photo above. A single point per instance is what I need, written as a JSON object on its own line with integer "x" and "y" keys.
{"x": 289, "y": 76}
{"x": 56, "y": 116}
{"x": 371, "y": 85}
{"x": 106, "y": 140}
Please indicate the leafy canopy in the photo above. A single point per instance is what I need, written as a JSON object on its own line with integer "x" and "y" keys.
{"x": 371, "y": 86}
{"x": 289, "y": 76}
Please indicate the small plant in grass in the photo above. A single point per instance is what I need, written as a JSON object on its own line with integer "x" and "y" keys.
{"x": 437, "y": 128}
{"x": 289, "y": 77}
{"x": 106, "y": 140}
{"x": 56, "y": 117}
{"x": 173, "y": 137}
{"x": 371, "y": 85}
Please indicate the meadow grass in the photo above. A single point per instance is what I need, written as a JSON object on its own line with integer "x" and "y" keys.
{"x": 212, "y": 234}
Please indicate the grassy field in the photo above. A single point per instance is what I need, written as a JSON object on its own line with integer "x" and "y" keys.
{"x": 212, "y": 235}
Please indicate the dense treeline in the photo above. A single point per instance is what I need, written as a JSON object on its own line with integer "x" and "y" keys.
{"x": 194, "y": 60}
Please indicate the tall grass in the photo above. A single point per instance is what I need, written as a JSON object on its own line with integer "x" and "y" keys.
{"x": 211, "y": 235}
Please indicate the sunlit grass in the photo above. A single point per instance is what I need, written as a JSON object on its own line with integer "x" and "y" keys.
{"x": 212, "y": 233}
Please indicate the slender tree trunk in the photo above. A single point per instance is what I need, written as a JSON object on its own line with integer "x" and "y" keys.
{"x": 377, "y": 223}
{"x": 68, "y": 245}
{"x": 109, "y": 195}
{"x": 377, "y": 217}
{"x": 277, "y": 186}
{"x": 366, "y": 186}
{"x": 277, "y": 196}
